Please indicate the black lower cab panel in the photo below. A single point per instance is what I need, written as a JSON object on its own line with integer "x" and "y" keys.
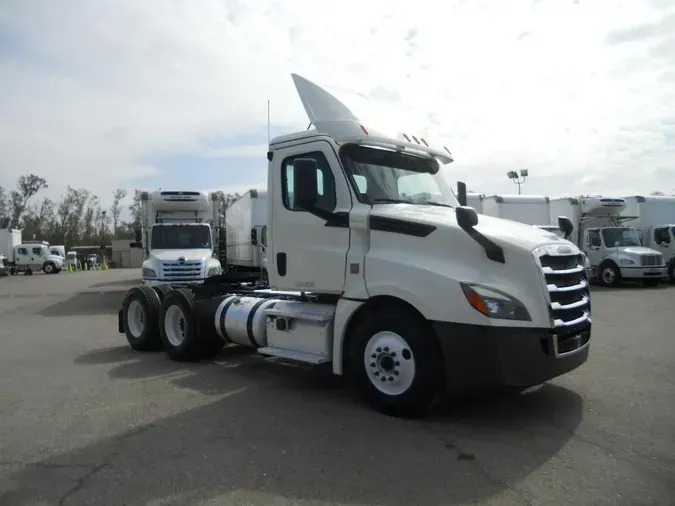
{"x": 480, "y": 357}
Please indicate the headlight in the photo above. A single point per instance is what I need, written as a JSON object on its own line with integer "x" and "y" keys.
{"x": 149, "y": 273}
{"x": 213, "y": 271}
{"x": 627, "y": 261}
{"x": 495, "y": 304}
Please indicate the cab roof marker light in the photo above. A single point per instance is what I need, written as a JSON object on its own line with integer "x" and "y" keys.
{"x": 424, "y": 142}
{"x": 447, "y": 150}
{"x": 415, "y": 139}
{"x": 406, "y": 137}
{"x": 364, "y": 130}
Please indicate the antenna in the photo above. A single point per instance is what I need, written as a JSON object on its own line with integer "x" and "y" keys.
{"x": 268, "y": 122}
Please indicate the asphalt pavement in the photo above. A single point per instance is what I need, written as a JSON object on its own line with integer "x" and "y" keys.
{"x": 85, "y": 420}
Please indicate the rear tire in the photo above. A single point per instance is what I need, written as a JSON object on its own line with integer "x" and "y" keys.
{"x": 162, "y": 291}
{"x": 395, "y": 363}
{"x": 140, "y": 310}
{"x": 178, "y": 326}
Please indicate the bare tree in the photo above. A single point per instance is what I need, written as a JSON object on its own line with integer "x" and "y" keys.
{"x": 136, "y": 210}
{"x": 27, "y": 187}
{"x": 4, "y": 202}
{"x": 116, "y": 209}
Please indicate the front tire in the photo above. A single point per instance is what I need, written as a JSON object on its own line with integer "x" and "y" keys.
{"x": 140, "y": 310}
{"x": 394, "y": 362}
{"x": 48, "y": 268}
{"x": 610, "y": 274}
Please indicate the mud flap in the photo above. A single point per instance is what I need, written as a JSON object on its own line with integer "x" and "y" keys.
{"x": 120, "y": 322}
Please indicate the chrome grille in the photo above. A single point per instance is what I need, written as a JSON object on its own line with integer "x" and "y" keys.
{"x": 651, "y": 260}
{"x": 187, "y": 270}
{"x": 570, "y": 301}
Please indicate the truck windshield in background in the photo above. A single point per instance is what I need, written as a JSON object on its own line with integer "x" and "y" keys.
{"x": 622, "y": 236}
{"x": 180, "y": 237}
{"x": 383, "y": 176}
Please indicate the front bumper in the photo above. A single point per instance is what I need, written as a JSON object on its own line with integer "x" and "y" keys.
{"x": 656, "y": 272}
{"x": 482, "y": 357}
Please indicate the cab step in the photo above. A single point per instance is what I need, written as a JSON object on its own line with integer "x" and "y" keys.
{"x": 293, "y": 355}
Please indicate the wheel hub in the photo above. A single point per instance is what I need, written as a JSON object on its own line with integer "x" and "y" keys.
{"x": 390, "y": 365}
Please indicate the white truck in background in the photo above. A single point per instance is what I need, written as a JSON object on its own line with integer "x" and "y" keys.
{"x": 180, "y": 234}
{"x": 246, "y": 228}
{"x": 654, "y": 217}
{"x": 475, "y": 200}
{"x": 527, "y": 209}
{"x": 615, "y": 251}
{"x": 27, "y": 256}
{"x": 406, "y": 298}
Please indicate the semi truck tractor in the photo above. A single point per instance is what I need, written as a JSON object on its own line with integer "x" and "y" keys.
{"x": 614, "y": 250}
{"x": 407, "y": 299}
{"x": 527, "y": 209}
{"x": 180, "y": 231}
{"x": 654, "y": 217}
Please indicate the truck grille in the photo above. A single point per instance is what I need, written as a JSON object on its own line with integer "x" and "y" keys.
{"x": 188, "y": 270}
{"x": 570, "y": 301}
{"x": 651, "y": 260}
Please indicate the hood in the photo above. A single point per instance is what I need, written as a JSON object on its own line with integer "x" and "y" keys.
{"x": 636, "y": 250}
{"x": 500, "y": 230}
{"x": 166, "y": 255}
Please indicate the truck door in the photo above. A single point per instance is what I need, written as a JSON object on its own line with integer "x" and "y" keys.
{"x": 661, "y": 241}
{"x": 36, "y": 258}
{"x": 305, "y": 253}
{"x": 593, "y": 246}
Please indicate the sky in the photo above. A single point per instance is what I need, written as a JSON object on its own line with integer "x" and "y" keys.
{"x": 173, "y": 94}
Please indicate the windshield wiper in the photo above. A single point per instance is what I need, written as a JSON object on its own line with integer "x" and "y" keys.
{"x": 440, "y": 204}
{"x": 390, "y": 201}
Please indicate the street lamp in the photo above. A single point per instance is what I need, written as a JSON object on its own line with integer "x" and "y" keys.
{"x": 517, "y": 178}
{"x": 103, "y": 213}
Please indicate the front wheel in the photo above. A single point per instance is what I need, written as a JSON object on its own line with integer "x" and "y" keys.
{"x": 610, "y": 275}
{"x": 395, "y": 363}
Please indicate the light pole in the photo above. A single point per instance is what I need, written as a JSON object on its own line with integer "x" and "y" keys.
{"x": 517, "y": 178}
{"x": 103, "y": 213}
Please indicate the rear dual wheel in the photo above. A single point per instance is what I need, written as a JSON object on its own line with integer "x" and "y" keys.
{"x": 179, "y": 329}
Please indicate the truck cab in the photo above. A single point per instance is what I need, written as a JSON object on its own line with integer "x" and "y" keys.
{"x": 180, "y": 237}
{"x": 654, "y": 218}
{"x": 376, "y": 270}
{"x": 28, "y": 258}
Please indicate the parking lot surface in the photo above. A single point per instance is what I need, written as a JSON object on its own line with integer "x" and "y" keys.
{"x": 85, "y": 420}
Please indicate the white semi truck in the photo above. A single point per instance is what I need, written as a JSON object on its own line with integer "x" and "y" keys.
{"x": 527, "y": 209}
{"x": 180, "y": 234}
{"x": 407, "y": 299}
{"x": 246, "y": 225}
{"x": 654, "y": 217}
{"x": 614, "y": 250}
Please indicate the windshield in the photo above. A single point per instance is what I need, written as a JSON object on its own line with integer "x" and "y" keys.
{"x": 382, "y": 176}
{"x": 180, "y": 237}
{"x": 622, "y": 235}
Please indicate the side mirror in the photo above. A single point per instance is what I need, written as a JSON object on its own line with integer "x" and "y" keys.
{"x": 461, "y": 193}
{"x": 304, "y": 183}
{"x": 138, "y": 235}
{"x": 566, "y": 226}
{"x": 254, "y": 237}
{"x": 467, "y": 218}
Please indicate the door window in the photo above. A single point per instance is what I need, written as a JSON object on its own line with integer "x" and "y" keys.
{"x": 37, "y": 251}
{"x": 661, "y": 235}
{"x": 325, "y": 182}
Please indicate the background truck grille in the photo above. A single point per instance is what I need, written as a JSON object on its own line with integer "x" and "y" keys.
{"x": 651, "y": 260}
{"x": 570, "y": 302}
{"x": 186, "y": 271}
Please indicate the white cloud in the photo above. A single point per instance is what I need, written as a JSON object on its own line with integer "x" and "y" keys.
{"x": 580, "y": 93}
